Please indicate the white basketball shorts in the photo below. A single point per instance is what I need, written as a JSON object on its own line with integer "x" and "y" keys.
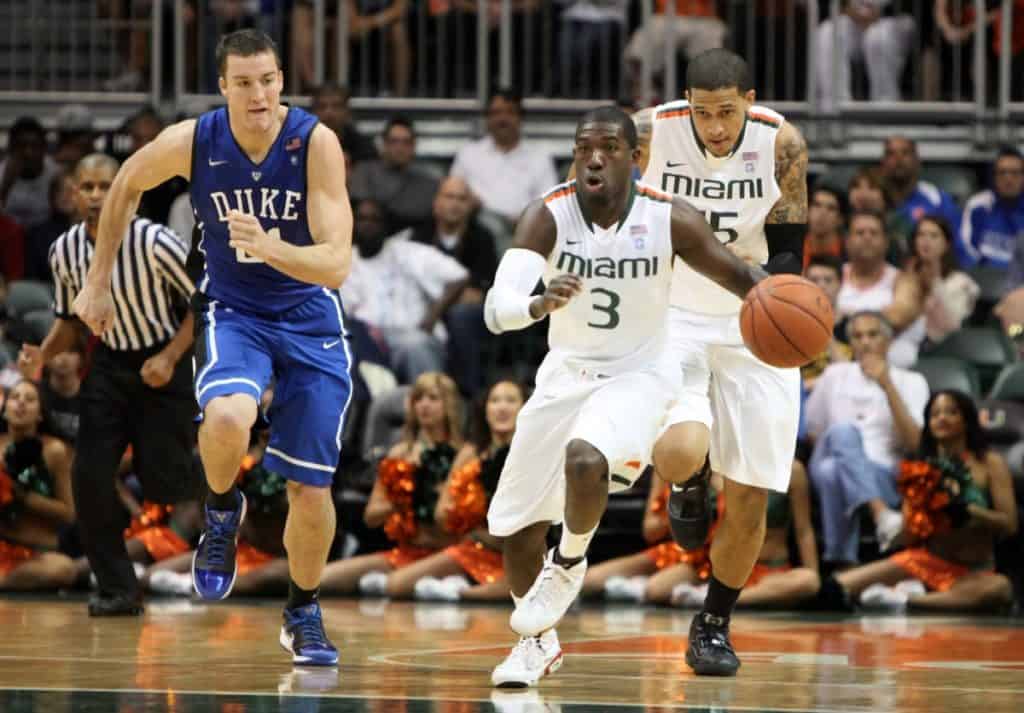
{"x": 752, "y": 409}
{"x": 619, "y": 413}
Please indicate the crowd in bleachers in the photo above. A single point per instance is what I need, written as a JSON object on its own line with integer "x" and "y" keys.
{"x": 884, "y": 50}
{"x": 928, "y": 289}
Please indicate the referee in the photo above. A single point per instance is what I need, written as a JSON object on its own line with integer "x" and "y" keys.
{"x": 139, "y": 389}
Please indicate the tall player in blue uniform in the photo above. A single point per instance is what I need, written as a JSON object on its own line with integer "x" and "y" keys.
{"x": 268, "y": 190}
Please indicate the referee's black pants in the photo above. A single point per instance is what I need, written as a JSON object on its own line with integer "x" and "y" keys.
{"x": 119, "y": 409}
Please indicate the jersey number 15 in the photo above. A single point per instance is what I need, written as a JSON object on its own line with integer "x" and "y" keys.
{"x": 723, "y": 232}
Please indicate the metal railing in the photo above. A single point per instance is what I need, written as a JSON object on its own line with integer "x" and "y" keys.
{"x": 446, "y": 55}
{"x": 96, "y": 51}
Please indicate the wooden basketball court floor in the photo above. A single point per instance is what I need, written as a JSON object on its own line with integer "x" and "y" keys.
{"x": 186, "y": 657}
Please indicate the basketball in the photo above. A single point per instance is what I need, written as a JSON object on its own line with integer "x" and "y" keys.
{"x": 786, "y": 321}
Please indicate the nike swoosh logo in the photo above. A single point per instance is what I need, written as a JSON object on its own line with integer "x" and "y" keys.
{"x": 328, "y": 345}
{"x": 573, "y": 242}
{"x": 215, "y": 163}
{"x": 670, "y": 164}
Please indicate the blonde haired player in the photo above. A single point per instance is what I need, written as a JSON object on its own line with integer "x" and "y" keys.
{"x": 745, "y": 168}
{"x": 604, "y": 246}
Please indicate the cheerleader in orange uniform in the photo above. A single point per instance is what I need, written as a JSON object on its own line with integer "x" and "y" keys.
{"x": 952, "y": 530}
{"x": 260, "y": 556}
{"x": 626, "y": 578}
{"x": 262, "y": 564}
{"x": 462, "y": 511}
{"x": 774, "y": 582}
{"x": 404, "y": 497}
{"x": 35, "y": 497}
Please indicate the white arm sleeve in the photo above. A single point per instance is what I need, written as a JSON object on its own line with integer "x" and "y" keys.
{"x": 507, "y": 306}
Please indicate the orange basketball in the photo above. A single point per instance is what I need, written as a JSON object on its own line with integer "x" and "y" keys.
{"x": 786, "y": 321}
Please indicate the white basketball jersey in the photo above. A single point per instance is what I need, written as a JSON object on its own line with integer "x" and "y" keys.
{"x": 736, "y": 194}
{"x": 626, "y": 271}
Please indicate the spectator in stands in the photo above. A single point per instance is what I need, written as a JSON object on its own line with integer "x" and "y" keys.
{"x": 40, "y": 238}
{"x": 26, "y": 173}
{"x": 12, "y": 249}
{"x": 386, "y": 17}
{"x": 405, "y": 191}
{"x": 868, "y": 280}
{"x": 825, "y": 222}
{"x": 330, "y": 104}
{"x": 35, "y": 496}
{"x": 407, "y": 489}
{"x": 957, "y": 23}
{"x": 1010, "y": 309}
{"x": 774, "y": 582}
{"x": 456, "y": 234}
{"x": 62, "y": 381}
{"x": 862, "y": 415}
{"x": 954, "y": 569}
{"x": 591, "y": 39}
{"x": 156, "y": 203}
{"x": 947, "y": 294}
{"x": 910, "y": 196}
{"x": 75, "y": 135}
{"x": 862, "y": 33}
{"x": 364, "y": 17}
{"x": 695, "y": 28}
{"x": 994, "y": 219}
{"x": 867, "y": 194}
{"x": 401, "y": 289}
{"x": 503, "y": 172}
{"x": 870, "y": 283}
{"x": 826, "y": 272}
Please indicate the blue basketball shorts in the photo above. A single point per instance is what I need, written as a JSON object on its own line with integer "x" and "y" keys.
{"x": 305, "y": 351}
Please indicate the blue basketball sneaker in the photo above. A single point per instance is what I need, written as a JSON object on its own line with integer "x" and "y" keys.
{"x": 303, "y": 636}
{"x": 213, "y": 564}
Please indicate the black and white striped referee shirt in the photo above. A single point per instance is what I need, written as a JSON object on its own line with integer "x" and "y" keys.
{"x": 148, "y": 270}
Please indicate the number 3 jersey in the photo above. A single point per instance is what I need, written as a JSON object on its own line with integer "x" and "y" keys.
{"x": 224, "y": 178}
{"x": 626, "y": 271}
{"x": 736, "y": 194}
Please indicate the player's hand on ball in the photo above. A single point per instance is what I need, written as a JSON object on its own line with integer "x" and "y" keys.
{"x": 560, "y": 290}
{"x": 245, "y": 232}
{"x": 94, "y": 305}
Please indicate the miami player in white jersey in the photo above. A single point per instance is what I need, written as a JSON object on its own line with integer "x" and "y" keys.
{"x": 603, "y": 245}
{"x": 745, "y": 168}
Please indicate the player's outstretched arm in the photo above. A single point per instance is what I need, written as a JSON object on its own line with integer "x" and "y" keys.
{"x": 167, "y": 156}
{"x": 509, "y": 304}
{"x": 328, "y": 261}
{"x": 786, "y": 225}
{"x": 694, "y": 242}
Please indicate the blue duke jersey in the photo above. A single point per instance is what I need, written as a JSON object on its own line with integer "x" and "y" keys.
{"x": 255, "y": 324}
{"x": 224, "y": 178}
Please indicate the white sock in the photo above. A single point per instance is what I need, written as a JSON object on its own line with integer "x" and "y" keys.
{"x": 573, "y": 546}
{"x": 515, "y": 599}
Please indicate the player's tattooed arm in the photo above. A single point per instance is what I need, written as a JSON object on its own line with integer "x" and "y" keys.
{"x": 693, "y": 241}
{"x": 791, "y": 175}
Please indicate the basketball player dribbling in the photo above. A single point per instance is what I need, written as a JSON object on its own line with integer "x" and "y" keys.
{"x": 268, "y": 189}
{"x": 604, "y": 245}
{"x": 745, "y": 168}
